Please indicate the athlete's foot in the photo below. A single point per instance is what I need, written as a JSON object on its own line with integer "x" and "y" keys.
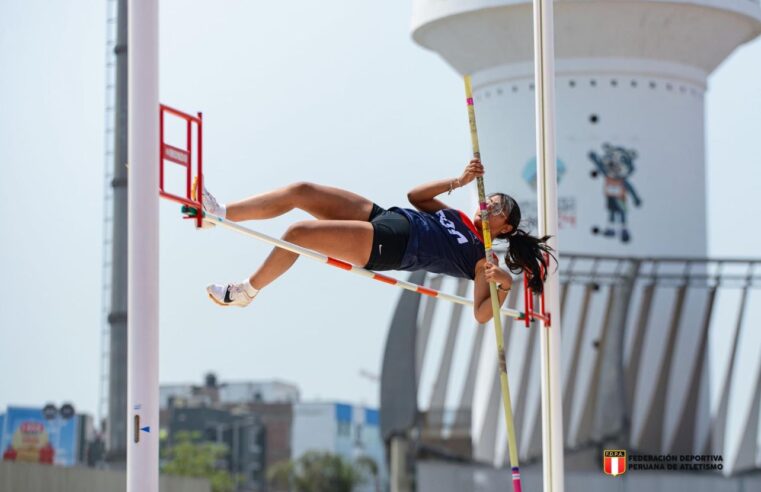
{"x": 236, "y": 294}
{"x": 210, "y": 204}
{"x": 625, "y": 237}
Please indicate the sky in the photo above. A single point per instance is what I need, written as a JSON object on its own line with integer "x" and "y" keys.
{"x": 334, "y": 93}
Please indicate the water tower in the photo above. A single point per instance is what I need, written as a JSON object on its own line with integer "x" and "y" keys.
{"x": 631, "y": 81}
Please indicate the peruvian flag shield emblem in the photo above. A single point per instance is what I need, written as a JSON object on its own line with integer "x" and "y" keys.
{"x": 614, "y": 462}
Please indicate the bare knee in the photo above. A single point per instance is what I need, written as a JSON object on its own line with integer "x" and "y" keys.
{"x": 298, "y": 231}
{"x": 302, "y": 188}
{"x": 301, "y": 194}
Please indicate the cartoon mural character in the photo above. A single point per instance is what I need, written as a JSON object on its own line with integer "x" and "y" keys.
{"x": 30, "y": 443}
{"x": 616, "y": 164}
{"x": 47, "y": 454}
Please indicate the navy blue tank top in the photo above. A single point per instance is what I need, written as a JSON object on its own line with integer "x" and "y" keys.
{"x": 442, "y": 242}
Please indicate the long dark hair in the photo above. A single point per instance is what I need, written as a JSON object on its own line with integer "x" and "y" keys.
{"x": 525, "y": 252}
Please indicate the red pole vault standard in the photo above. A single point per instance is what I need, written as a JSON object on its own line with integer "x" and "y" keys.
{"x": 191, "y": 207}
{"x": 528, "y": 301}
{"x": 183, "y": 157}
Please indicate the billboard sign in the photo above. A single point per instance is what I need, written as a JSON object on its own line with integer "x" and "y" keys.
{"x": 30, "y": 436}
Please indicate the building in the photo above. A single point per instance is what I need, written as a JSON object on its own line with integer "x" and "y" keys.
{"x": 228, "y": 393}
{"x": 242, "y": 433}
{"x": 349, "y": 431}
{"x": 277, "y": 419}
{"x": 236, "y": 409}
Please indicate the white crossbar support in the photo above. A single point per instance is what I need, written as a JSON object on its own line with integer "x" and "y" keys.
{"x": 143, "y": 250}
{"x": 546, "y": 183}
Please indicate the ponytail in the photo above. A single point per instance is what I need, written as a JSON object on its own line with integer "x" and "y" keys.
{"x": 531, "y": 254}
{"x": 526, "y": 252}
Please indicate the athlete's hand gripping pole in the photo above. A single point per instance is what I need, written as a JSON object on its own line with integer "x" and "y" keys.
{"x": 511, "y": 438}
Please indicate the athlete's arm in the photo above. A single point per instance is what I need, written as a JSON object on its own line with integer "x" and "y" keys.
{"x": 486, "y": 272}
{"x": 423, "y": 197}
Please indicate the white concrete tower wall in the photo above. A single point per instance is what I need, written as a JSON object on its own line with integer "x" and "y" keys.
{"x": 663, "y": 128}
{"x": 629, "y": 75}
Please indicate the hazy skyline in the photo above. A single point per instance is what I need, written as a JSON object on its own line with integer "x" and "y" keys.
{"x": 337, "y": 94}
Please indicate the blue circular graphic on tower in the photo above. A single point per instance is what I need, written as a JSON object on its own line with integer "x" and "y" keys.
{"x": 529, "y": 172}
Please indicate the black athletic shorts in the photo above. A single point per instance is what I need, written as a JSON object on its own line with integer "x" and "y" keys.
{"x": 390, "y": 233}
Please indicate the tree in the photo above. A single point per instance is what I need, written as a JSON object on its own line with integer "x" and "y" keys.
{"x": 368, "y": 464}
{"x": 190, "y": 458}
{"x": 315, "y": 471}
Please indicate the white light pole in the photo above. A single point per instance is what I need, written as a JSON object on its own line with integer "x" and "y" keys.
{"x": 143, "y": 250}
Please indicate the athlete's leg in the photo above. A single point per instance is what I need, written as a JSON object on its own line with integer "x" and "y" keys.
{"x": 348, "y": 240}
{"x": 322, "y": 202}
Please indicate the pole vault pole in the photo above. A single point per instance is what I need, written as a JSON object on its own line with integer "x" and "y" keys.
{"x": 497, "y": 320}
{"x": 547, "y": 203}
{"x": 143, "y": 250}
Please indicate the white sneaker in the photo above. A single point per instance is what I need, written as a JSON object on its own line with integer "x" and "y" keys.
{"x": 239, "y": 295}
{"x": 210, "y": 204}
